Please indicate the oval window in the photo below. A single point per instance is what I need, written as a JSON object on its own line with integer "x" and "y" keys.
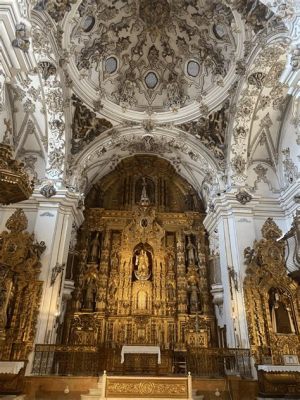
{"x": 193, "y": 68}
{"x": 219, "y": 31}
{"x": 151, "y": 80}
{"x": 88, "y": 23}
{"x": 111, "y": 65}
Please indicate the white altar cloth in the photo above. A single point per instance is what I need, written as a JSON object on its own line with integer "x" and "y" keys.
{"x": 279, "y": 368}
{"x": 11, "y": 367}
{"x": 141, "y": 350}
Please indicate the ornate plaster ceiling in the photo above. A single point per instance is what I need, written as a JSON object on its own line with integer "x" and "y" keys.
{"x": 153, "y": 56}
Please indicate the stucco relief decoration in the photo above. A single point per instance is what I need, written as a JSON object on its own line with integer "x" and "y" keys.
{"x": 210, "y": 130}
{"x": 243, "y": 197}
{"x": 56, "y": 132}
{"x": 86, "y": 126}
{"x": 255, "y": 13}
{"x": 248, "y": 106}
{"x": 48, "y": 190}
{"x": 159, "y": 145}
{"x": 159, "y": 54}
{"x": 291, "y": 172}
{"x": 21, "y": 41}
{"x": 55, "y": 8}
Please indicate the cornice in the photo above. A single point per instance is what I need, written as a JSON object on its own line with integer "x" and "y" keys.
{"x": 226, "y": 206}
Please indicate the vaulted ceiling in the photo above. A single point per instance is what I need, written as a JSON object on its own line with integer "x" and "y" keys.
{"x": 202, "y": 83}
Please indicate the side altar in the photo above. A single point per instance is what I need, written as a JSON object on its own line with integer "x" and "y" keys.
{"x": 140, "y": 267}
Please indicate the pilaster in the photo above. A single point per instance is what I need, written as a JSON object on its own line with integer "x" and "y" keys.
{"x": 237, "y": 226}
{"x": 53, "y": 225}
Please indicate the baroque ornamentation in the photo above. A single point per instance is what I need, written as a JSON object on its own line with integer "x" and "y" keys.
{"x": 255, "y": 13}
{"x": 210, "y": 130}
{"x": 165, "y": 64}
{"x": 133, "y": 270}
{"x": 21, "y": 41}
{"x": 270, "y": 298}
{"x": 243, "y": 197}
{"x": 48, "y": 190}
{"x": 248, "y": 106}
{"x": 291, "y": 172}
{"x": 55, "y": 8}
{"x": 15, "y": 184}
{"x": 86, "y": 126}
{"x": 56, "y": 133}
{"x": 55, "y": 272}
{"x": 20, "y": 290}
{"x": 47, "y": 69}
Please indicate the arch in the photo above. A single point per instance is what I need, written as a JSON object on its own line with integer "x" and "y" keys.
{"x": 249, "y": 117}
{"x": 189, "y": 158}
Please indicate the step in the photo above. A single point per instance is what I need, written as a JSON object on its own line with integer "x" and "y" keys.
{"x": 197, "y": 396}
{"x": 12, "y": 397}
{"x": 95, "y": 392}
{"x": 90, "y": 397}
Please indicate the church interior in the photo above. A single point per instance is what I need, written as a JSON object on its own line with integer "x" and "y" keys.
{"x": 149, "y": 199}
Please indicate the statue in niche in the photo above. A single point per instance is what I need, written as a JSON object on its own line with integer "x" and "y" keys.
{"x": 170, "y": 292}
{"x": 90, "y": 290}
{"x": 170, "y": 262}
{"x": 195, "y": 303}
{"x": 191, "y": 252}
{"x": 142, "y": 265}
{"x": 95, "y": 249}
{"x": 89, "y": 297}
{"x": 281, "y": 311}
{"x": 194, "y": 299}
{"x": 114, "y": 261}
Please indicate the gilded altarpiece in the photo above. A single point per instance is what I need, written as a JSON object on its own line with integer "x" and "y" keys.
{"x": 142, "y": 274}
{"x": 271, "y": 299}
{"x": 20, "y": 289}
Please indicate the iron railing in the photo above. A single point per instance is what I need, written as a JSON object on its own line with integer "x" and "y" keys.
{"x": 93, "y": 360}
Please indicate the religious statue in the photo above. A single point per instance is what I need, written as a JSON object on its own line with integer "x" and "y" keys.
{"x": 280, "y": 311}
{"x": 193, "y": 290}
{"x": 170, "y": 292}
{"x": 90, "y": 289}
{"x": 191, "y": 252}
{"x": 194, "y": 299}
{"x": 95, "y": 249}
{"x": 142, "y": 264}
{"x": 114, "y": 261}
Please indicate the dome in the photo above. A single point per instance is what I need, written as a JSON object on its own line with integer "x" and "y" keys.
{"x": 153, "y": 56}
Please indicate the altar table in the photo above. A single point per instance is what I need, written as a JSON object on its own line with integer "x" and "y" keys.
{"x": 11, "y": 367}
{"x": 141, "y": 350}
